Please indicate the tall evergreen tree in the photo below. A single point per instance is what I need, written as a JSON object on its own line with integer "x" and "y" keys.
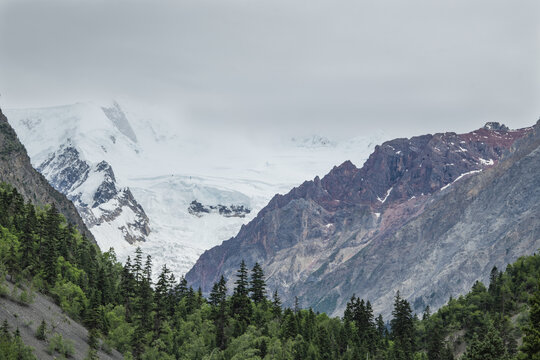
{"x": 240, "y": 303}
{"x": 276, "y": 304}
{"x": 489, "y": 347}
{"x": 258, "y": 285}
{"x": 218, "y": 294}
{"x": 162, "y": 296}
{"x": 138, "y": 266}
{"x": 147, "y": 271}
{"x": 531, "y": 342}
{"x": 27, "y": 238}
{"x": 402, "y": 329}
{"x": 218, "y": 300}
{"x": 435, "y": 350}
{"x": 241, "y": 280}
{"x": 50, "y": 246}
{"x": 127, "y": 288}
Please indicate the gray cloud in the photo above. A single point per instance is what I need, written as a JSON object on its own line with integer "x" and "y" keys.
{"x": 336, "y": 67}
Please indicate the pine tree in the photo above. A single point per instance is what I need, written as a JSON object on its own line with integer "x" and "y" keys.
{"x": 137, "y": 268}
{"x": 147, "y": 271}
{"x": 4, "y": 330}
{"x": 93, "y": 344}
{"x": 137, "y": 340}
{"x": 92, "y": 318}
{"x": 495, "y": 282}
{"x": 531, "y": 341}
{"x": 41, "y": 332}
{"x": 258, "y": 285}
{"x": 369, "y": 328}
{"x": 50, "y": 251}
{"x": 402, "y": 329}
{"x": 27, "y": 237}
{"x": 108, "y": 288}
{"x": 145, "y": 304}
{"x": 218, "y": 300}
{"x": 490, "y": 347}
{"x": 180, "y": 289}
{"x": 381, "y": 327}
{"x": 435, "y": 350}
{"x": 427, "y": 313}
{"x": 348, "y": 315}
{"x": 218, "y": 294}
{"x": 290, "y": 326}
{"x": 11, "y": 262}
{"x": 242, "y": 280}
{"x": 240, "y": 303}
{"x": 127, "y": 288}
{"x": 162, "y": 296}
{"x": 276, "y": 304}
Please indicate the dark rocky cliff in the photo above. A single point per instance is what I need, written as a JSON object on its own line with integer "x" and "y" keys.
{"x": 16, "y": 169}
{"x": 396, "y": 223}
{"x": 68, "y": 173}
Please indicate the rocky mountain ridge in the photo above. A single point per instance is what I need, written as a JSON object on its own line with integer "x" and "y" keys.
{"x": 94, "y": 191}
{"x": 332, "y": 237}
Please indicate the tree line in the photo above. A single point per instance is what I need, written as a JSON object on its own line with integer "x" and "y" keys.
{"x": 145, "y": 317}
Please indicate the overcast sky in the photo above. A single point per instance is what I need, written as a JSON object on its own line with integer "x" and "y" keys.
{"x": 336, "y": 67}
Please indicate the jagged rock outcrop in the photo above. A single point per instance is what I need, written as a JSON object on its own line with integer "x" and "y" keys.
{"x": 427, "y": 216}
{"x": 94, "y": 191}
{"x": 16, "y": 169}
{"x": 198, "y": 209}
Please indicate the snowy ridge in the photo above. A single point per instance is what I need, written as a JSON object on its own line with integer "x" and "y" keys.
{"x": 94, "y": 191}
{"x": 461, "y": 176}
{"x": 383, "y": 200}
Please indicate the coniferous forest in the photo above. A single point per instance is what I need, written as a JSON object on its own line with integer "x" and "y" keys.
{"x": 143, "y": 316}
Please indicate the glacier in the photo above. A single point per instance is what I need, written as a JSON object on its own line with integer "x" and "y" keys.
{"x": 133, "y": 172}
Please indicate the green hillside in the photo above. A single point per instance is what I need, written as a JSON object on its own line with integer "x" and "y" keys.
{"x": 125, "y": 310}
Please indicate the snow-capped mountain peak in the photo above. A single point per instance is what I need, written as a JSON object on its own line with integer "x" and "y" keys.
{"x": 139, "y": 179}
{"x": 119, "y": 119}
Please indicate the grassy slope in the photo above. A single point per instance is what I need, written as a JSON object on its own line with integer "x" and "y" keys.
{"x": 28, "y": 317}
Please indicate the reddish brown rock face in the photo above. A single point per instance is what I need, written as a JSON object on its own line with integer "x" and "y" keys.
{"x": 311, "y": 239}
{"x": 410, "y": 167}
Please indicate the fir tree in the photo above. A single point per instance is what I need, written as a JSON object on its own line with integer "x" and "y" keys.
{"x": 4, "y": 330}
{"x": 180, "y": 289}
{"x": 147, "y": 271}
{"x": 50, "y": 251}
{"x": 531, "y": 342}
{"x": 435, "y": 350}
{"x": 145, "y": 304}
{"x": 127, "y": 288}
{"x": 218, "y": 301}
{"x": 241, "y": 280}
{"x": 218, "y": 294}
{"x": 162, "y": 296}
{"x": 276, "y": 304}
{"x": 137, "y": 268}
{"x": 240, "y": 303}
{"x": 27, "y": 237}
{"x": 490, "y": 347}
{"x": 402, "y": 329}
{"x": 258, "y": 285}
{"x": 41, "y": 332}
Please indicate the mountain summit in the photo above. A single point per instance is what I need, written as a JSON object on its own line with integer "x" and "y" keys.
{"x": 424, "y": 215}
